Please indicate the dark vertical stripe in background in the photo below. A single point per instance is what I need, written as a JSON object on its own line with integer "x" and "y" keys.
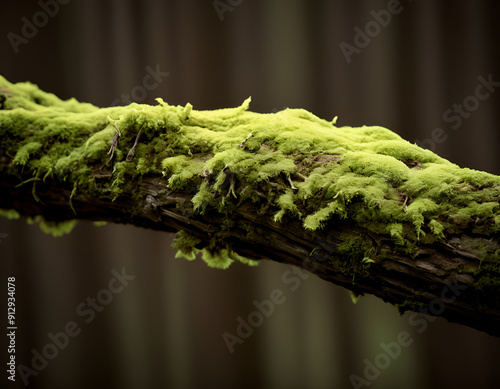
{"x": 165, "y": 329}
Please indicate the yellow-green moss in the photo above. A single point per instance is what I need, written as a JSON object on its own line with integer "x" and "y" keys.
{"x": 10, "y": 213}
{"x": 289, "y": 165}
{"x": 55, "y": 229}
{"x": 216, "y": 255}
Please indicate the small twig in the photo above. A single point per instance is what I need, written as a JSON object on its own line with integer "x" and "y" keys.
{"x": 231, "y": 186}
{"x": 33, "y": 191}
{"x": 131, "y": 153}
{"x": 205, "y": 174}
{"x": 28, "y": 180}
{"x": 405, "y": 206}
{"x": 241, "y": 195}
{"x": 117, "y": 129}
{"x": 242, "y": 144}
{"x": 73, "y": 192}
{"x": 114, "y": 144}
{"x": 290, "y": 181}
{"x": 301, "y": 176}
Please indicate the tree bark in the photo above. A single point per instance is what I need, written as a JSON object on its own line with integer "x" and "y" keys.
{"x": 429, "y": 281}
{"x": 455, "y": 276}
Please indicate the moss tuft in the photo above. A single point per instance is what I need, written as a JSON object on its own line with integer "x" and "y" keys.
{"x": 56, "y": 229}
{"x": 355, "y": 255}
{"x": 10, "y": 214}
{"x": 185, "y": 244}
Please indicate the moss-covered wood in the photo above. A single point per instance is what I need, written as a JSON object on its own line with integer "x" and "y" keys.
{"x": 359, "y": 207}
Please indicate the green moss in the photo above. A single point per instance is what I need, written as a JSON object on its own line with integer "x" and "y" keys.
{"x": 382, "y": 167}
{"x": 319, "y": 218}
{"x": 182, "y": 171}
{"x": 354, "y": 297}
{"x": 218, "y": 259}
{"x": 354, "y": 255}
{"x": 55, "y": 229}
{"x": 286, "y": 204}
{"x": 290, "y": 165}
{"x": 23, "y": 153}
{"x": 412, "y": 304}
{"x": 246, "y": 261}
{"x": 185, "y": 244}
{"x": 10, "y": 214}
{"x": 437, "y": 228}
{"x": 203, "y": 198}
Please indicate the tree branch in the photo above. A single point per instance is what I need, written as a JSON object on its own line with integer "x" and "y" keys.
{"x": 359, "y": 207}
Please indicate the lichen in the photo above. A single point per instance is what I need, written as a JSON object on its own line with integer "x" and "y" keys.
{"x": 290, "y": 165}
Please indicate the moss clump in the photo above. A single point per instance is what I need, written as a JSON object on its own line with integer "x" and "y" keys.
{"x": 185, "y": 244}
{"x": 55, "y": 229}
{"x": 355, "y": 255}
{"x": 412, "y": 304}
{"x": 288, "y": 165}
{"x": 10, "y": 214}
{"x": 215, "y": 256}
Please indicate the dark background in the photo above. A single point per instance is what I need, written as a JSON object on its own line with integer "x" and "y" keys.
{"x": 165, "y": 328}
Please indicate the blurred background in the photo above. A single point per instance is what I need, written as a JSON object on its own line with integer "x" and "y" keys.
{"x": 415, "y": 67}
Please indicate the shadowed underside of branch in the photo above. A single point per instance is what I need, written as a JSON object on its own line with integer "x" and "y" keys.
{"x": 359, "y": 207}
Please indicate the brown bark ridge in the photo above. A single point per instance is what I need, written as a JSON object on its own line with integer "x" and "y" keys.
{"x": 358, "y": 207}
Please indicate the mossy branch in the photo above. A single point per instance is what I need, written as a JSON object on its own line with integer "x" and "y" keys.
{"x": 359, "y": 207}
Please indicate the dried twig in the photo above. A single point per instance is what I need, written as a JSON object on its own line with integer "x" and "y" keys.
{"x": 114, "y": 144}
{"x": 242, "y": 144}
{"x": 131, "y": 153}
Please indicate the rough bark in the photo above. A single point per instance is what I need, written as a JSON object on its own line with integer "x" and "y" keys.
{"x": 429, "y": 281}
